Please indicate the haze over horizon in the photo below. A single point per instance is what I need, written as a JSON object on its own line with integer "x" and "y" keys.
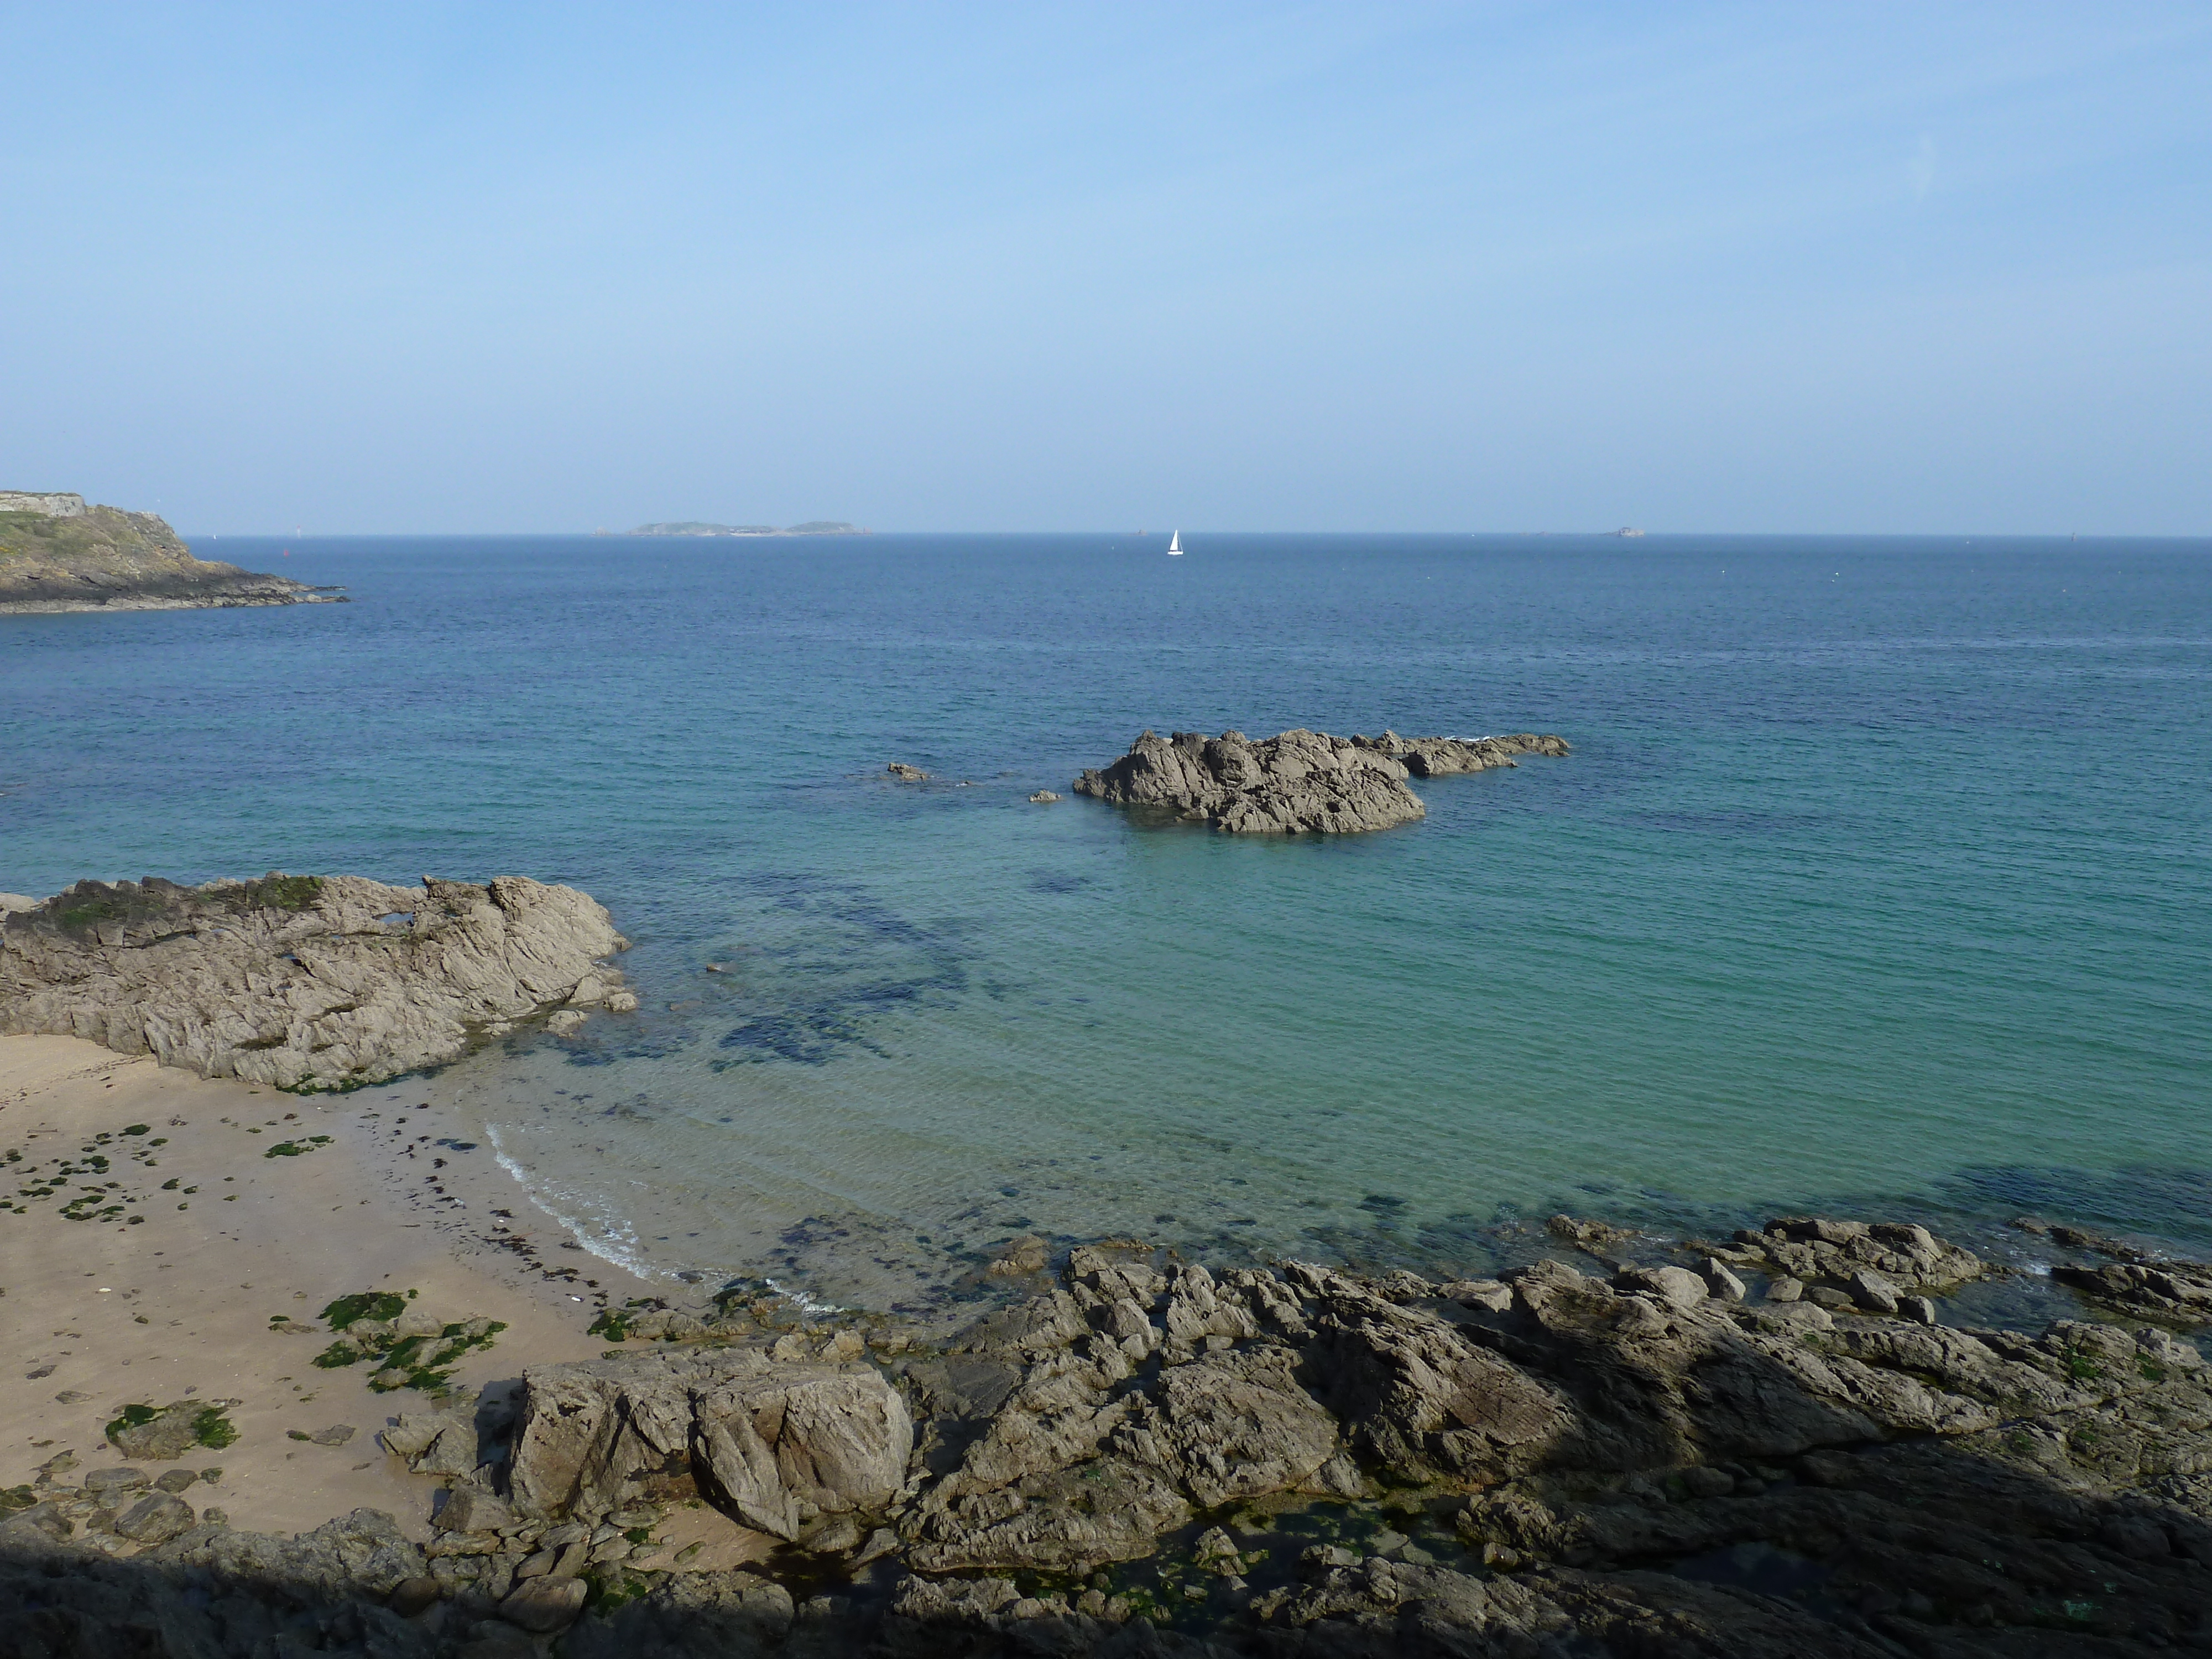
{"x": 1715, "y": 267}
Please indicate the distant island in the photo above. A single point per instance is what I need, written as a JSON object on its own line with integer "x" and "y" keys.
{"x": 58, "y": 553}
{"x": 693, "y": 527}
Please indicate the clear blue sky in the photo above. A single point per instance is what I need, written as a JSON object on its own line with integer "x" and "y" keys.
{"x": 1823, "y": 267}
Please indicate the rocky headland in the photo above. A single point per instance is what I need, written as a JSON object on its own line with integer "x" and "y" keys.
{"x": 306, "y": 981}
{"x": 1779, "y": 1445}
{"x": 1296, "y": 783}
{"x": 58, "y": 553}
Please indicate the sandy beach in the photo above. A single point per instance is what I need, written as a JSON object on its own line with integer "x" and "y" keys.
{"x": 163, "y": 1281}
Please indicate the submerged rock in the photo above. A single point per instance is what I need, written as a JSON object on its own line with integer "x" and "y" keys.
{"x": 304, "y": 982}
{"x": 1297, "y": 782}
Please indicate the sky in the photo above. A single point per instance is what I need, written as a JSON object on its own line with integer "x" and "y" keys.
{"x": 486, "y": 267}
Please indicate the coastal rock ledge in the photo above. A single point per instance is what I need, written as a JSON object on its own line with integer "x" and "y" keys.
{"x": 58, "y": 553}
{"x": 305, "y": 982}
{"x": 1298, "y": 782}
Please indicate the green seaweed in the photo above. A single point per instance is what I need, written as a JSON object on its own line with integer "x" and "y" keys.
{"x": 364, "y": 1304}
{"x": 213, "y": 1430}
{"x": 279, "y": 892}
{"x": 131, "y": 1418}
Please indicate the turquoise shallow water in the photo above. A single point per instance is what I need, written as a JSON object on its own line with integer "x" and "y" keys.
{"x": 1879, "y": 872}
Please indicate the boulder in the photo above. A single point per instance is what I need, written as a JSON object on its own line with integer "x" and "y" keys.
{"x": 774, "y": 1445}
{"x": 1676, "y": 1285}
{"x": 471, "y": 1508}
{"x": 155, "y": 1518}
{"x": 170, "y": 1432}
{"x": 299, "y": 981}
{"x": 433, "y": 1442}
{"x": 544, "y": 1605}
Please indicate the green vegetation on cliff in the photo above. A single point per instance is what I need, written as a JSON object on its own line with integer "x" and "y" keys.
{"x": 58, "y": 553}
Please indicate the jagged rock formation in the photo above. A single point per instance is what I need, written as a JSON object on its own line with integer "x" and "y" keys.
{"x": 304, "y": 982}
{"x": 778, "y": 1446}
{"x": 2133, "y": 1281}
{"x": 1149, "y": 1459}
{"x": 58, "y": 553}
{"x": 1296, "y": 783}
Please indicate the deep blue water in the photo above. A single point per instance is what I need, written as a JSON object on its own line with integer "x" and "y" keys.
{"x": 1879, "y": 872}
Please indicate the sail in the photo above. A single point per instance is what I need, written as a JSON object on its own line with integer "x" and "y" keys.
{"x": 1175, "y": 543}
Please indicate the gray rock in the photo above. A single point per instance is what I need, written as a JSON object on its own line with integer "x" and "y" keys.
{"x": 177, "y": 1480}
{"x": 2139, "y": 1282}
{"x": 1721, "y": 1282}
{"x": 1296, "y": 783}
{"x": 1872, "y": 1291}
{"x": 1043, "y": 798}
{"x": 300, "y": 981}
{"x": 433, "y": 1442}
{"x": 1491, "y": 1294}
{"x": 100, "y": 1483}
{"x": 544, "y": 1605}
{"x": 173, "y": 1431}
{"x": 1232, "y": 1425}
{"x": 771, "y": 1443}
{"x": 1785, "y": 1289}
{"x": 155, "y": 1518}
{"x": 1676, "y": 1285}
{"x": 471, "y": 1508}
{"x": 411, "y": 1596}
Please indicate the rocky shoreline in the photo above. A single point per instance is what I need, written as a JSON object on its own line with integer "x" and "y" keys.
{"x": 59, "y": 554}
{"x": 1809, "y": 1438}
{"x": 306, "y": 981}
{"x": 1297, "y": 782}
{"x": 1775, "y": 1444}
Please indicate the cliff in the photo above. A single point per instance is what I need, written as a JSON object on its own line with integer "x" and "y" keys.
{"x": 58, "y": 553}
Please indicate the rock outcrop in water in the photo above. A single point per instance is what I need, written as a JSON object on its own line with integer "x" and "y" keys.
{"x": 1297, "y": 782}
{"x": 58, "y": 553}
{"x": 2135, "y": 1282}
{"x": 1148, "y": 1458}
{"x": 304, "y": 982}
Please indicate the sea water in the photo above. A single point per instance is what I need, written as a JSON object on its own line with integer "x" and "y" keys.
{"x": 1878, "y": 875}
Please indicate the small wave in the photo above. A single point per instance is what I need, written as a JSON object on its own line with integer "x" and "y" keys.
{"x": 800, "y": 1300}
{"x": 615, "y": 1244}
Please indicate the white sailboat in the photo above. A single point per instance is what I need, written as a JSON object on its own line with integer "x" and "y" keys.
{"x": 1175, "y": 545}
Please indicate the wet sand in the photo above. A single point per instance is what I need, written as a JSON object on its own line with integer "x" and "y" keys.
{"x": 193, "y": 1239}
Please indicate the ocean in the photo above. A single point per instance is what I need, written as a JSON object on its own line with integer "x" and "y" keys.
{"x": 1878, "y": 878}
